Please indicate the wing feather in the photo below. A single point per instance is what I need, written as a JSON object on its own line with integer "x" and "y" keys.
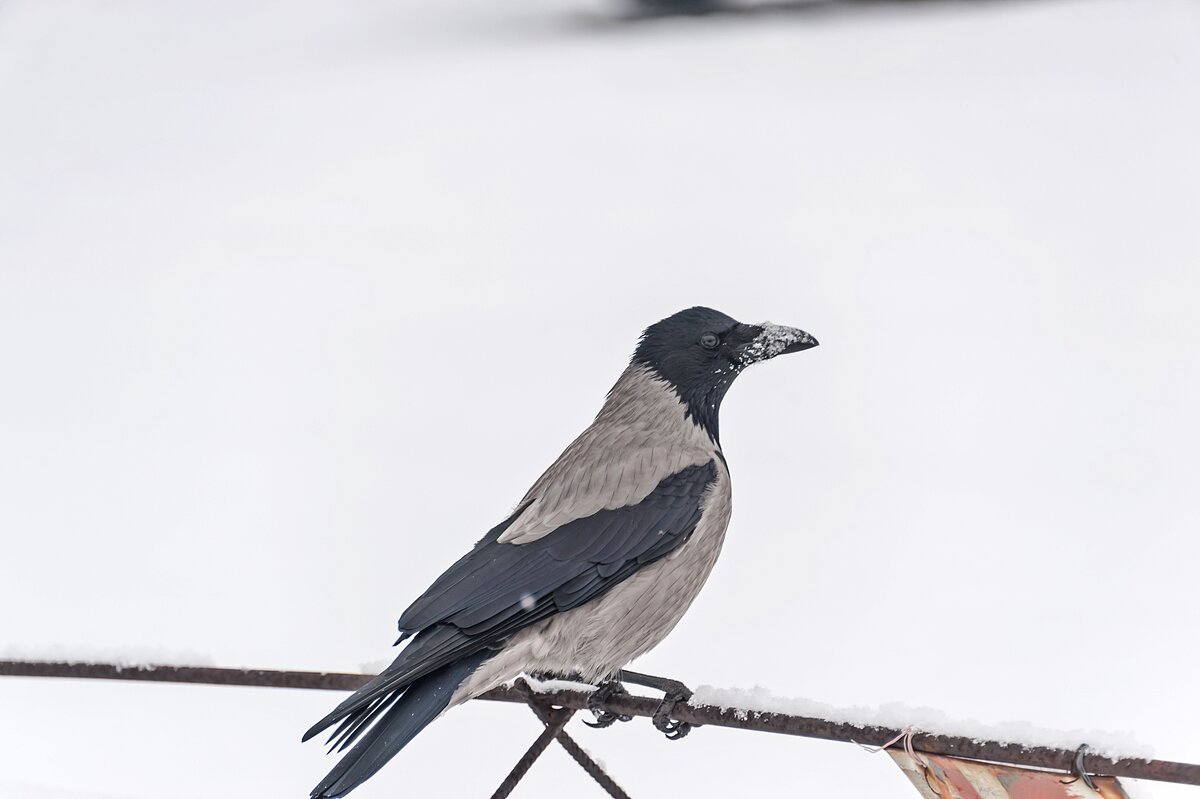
{"x": 509, "y": 574}
{"x": 498, "y": 588}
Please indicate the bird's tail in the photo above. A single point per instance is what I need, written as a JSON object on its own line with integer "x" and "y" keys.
{"x": 401, "y": 715}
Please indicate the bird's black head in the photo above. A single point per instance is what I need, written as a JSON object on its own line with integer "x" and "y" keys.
{"x": 700, "y": 351}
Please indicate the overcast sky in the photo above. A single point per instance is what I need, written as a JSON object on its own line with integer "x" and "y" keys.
{"x": 298, "y": 298}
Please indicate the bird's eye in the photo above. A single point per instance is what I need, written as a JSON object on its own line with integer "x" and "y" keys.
{"x": 709, "y": 341}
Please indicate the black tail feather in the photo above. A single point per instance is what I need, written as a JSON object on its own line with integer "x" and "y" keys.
{"x": 364, "y": 719}
{"x": 407, "y": 713}
{"x": 434, "y": 649}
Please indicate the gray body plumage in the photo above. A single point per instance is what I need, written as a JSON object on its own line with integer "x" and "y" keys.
{"x": 600, "y": 559}
{"x": 640, "y": 437}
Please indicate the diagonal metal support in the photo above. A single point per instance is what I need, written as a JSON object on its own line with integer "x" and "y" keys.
{"x": 580, "y": 756}
{"x": 557, "y": 719}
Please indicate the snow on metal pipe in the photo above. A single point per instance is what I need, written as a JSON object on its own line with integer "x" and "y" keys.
{"x": 736, "y": 718}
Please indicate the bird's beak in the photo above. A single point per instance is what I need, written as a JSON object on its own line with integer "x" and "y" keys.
{"x": 775, "y": 340}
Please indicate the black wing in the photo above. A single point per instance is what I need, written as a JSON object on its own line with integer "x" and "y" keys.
{"x": 498, "y": 588}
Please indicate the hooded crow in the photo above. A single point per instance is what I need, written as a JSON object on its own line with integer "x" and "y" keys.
{"x": 598, "y": 562}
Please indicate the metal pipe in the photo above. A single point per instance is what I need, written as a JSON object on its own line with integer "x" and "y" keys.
{"x": 996, "y": 751}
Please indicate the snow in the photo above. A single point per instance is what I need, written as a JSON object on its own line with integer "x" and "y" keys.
{"x": 745, "y": 702}
{"x": 773, "y": 340}
{"x": 898, "y": 716}
{"x": 23, "y": 789}
{"x": 374, "y": 666}
{"x": 550, "y": 686}
{"x": 124, "y": 656}
{"x": 894, "y": 715}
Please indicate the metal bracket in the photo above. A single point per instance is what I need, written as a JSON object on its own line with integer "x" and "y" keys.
{"x": 1078, "y": 769}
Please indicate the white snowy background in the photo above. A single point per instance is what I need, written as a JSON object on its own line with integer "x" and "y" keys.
{"x": 297, "y": 299}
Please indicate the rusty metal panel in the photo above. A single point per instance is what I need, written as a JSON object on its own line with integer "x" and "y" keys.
{"x": 952, "y": 778}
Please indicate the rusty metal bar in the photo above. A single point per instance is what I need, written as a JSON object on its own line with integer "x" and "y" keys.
{"x": 329, "y": 681}
{"x": 996, "y": 751}
{"x": 557, "y": 720}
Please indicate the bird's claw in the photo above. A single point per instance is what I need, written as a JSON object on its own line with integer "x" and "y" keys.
{"x": 673, "y": 729}
{"x": 596, "y": 701}
{"x": 604, "y": 719}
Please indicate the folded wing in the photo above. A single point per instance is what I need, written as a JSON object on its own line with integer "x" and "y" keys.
{"x": 499, "y": 588}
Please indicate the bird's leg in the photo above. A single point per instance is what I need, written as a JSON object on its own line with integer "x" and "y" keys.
{"x": 596, "y": 700}
{"x": 674, "y": 692}
{"x": 546, "y": 676}
{"x": 604, "y": 692}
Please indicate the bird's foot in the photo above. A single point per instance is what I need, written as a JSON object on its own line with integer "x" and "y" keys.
{"x": 674, "y": 692}
{"x": 597, "y": 700}
{"x": 674, "y": 730}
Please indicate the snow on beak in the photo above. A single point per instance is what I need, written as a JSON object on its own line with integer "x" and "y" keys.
{"x": 775, "y": 340}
